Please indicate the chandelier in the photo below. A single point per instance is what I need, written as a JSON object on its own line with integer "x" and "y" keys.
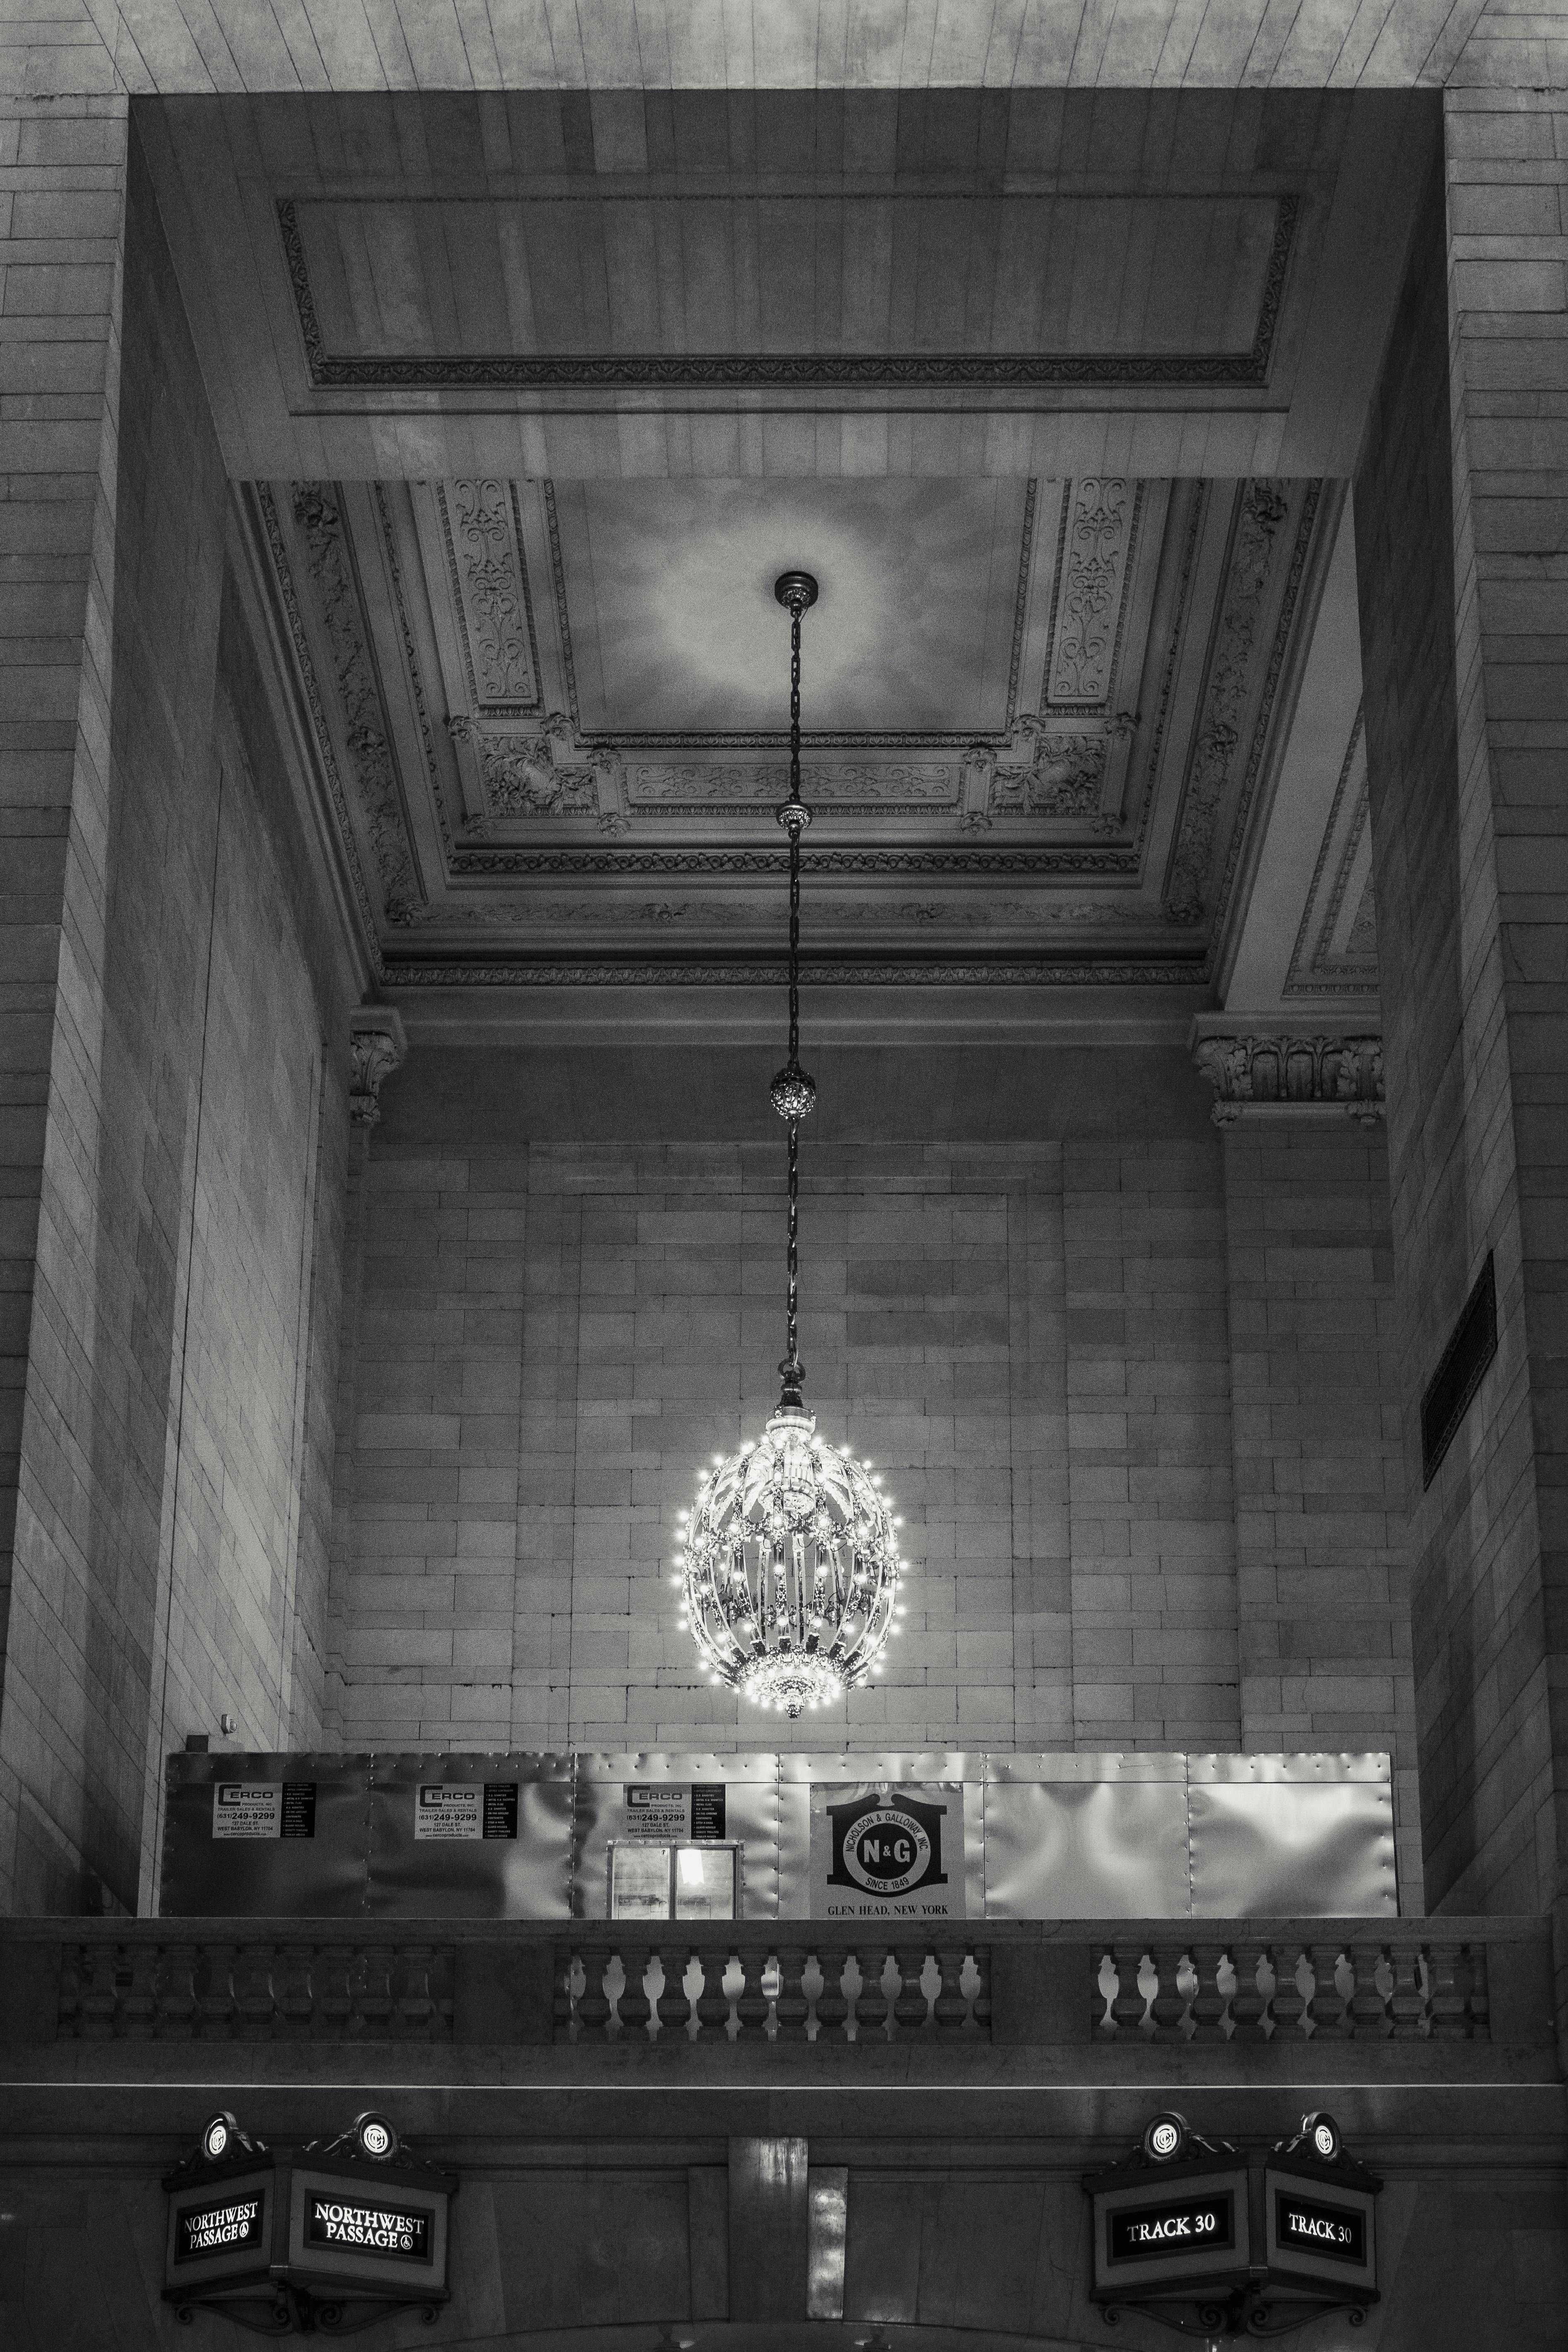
{"x": 790, "y": 1563}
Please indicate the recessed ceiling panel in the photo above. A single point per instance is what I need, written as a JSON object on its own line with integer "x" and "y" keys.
{"x": 676, "y": 632}
{"x": 552, "y": 718}
{"x": 602, "y": 291}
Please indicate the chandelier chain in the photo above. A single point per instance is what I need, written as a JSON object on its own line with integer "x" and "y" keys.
{"x": 790, "y": 1564}
{"x": 792, "y": 1371}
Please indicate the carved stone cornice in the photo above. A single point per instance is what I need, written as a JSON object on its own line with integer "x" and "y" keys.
{"x": 547, "y": 773}
{"x": 376, "y": 1047}
{"x": 1284, "y": 1071}
{"x": 367, "y": 732}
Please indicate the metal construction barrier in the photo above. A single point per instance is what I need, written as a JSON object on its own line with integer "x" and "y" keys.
{"x": 885, "y": 1838}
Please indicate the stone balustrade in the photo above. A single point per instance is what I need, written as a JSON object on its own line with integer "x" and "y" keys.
{"x": 1371, "y": 1987}
{"x": 1124, "y": 1986}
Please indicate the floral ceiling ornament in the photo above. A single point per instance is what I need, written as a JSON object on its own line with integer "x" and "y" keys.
{"x": 790, "y": 1565}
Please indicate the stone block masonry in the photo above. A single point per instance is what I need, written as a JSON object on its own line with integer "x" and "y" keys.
{"x": 172, "y": 1119}
{"x": 1033, "y": 1340}
{"x": 1322, "y": 1602}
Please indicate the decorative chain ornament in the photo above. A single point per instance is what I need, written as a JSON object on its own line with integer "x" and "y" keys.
{"x": 791, "y": 1566}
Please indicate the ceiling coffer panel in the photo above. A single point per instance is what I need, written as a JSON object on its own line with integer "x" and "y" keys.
{"x": 550, "y": 721}
{"x": 598, "y": 291}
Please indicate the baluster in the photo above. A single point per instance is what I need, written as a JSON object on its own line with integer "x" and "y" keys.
{"x": 253, "y": 1992}
{"x": 1288, "y": 2006}
{"x": 656, "y": 1981}
{"x": 1128, "y": 2005}
{"x": 615, "y": 1982}
{"x": 595, "y": 2009}
{"x": 691, "y": 1991}
{"x": 1369, "y": 2018}
{"x": 443, "y": 1983}
{"x": 1168, "y": 2007}
{"x": 714, "y": 2001}
{"x": 1209, "y": 2004}
{"x": 832, "y": 2001}
{"x": 68, "y": 2005}
{"x": 949, "y": 2014}
{"x": 855, "y": 1987}
{"x": 412, "y": 2005}
{"x": 174, "y": 1992}
{"x": 1449, "y": 1968}
{"x": 214, "y": 1993}
{"x": 99, "y": 2002}
{"x": 293, "y": 1991}
{"x": 1332, "y": 2001}
{"x": 371, "y": 2020}
{"x": 139, "y": 2002}
{"x": 791, "y": 2001}
{"x": 1250, "y": 2001}
{"x": 1269, "y": 1979}
{"x": 331, "y": 1977}
{"x": 1107, "y": 1985}
{"x": 813, "y": 1983}
{"x": 1481, "y": 2008}
{"x": 911, "y": 2009}
{"x": 773, "y": 1985}
{"x": 635, "y": 2006}
{"x": 752, "y": 2009}
{"x": 976, "y": 1983}
{"x": 571, "y": 1983}
{"x": 879, "y": 2001}
{"x": 1407, "y": 2001}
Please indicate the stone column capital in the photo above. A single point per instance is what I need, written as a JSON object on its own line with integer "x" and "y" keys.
{"x": 377, "y": 1046}
{"x": 1273, "y": 1071}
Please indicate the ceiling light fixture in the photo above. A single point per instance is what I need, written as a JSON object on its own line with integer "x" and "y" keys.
{"x": 790, "y": 1560}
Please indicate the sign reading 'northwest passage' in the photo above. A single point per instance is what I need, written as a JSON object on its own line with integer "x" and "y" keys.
{"x": 353, "y": 2226}
{"x": 1336, "y": 2233}
{"x": 1186, "y": 2225}
{"x": 465, "y": 1809}
{"x": 224, "y": 2227}
{"x": 264, "y": 1808}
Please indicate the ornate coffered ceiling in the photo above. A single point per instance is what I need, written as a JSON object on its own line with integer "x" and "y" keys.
{"x": 546, "y": 721}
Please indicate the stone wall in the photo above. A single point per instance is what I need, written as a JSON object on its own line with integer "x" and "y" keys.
{"x": 1033, "y": 1325}
{"x": 183, "y": 1277}
{"x": 1317, "y": 1440}
{"x": 1457, "y": 508}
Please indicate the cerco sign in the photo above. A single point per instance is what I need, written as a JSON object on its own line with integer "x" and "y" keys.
{"x": 336, "y": 2235}
{"x": 1214, "y": 2239}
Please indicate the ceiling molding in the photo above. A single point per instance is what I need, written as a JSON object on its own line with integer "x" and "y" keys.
{"x": 785, "y": 369}
{"x": 1335, "y": 952}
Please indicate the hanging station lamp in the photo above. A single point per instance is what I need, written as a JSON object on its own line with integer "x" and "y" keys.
{"x": 790, "y": 1561}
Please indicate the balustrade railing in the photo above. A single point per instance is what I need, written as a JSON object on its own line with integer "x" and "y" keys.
{"x": 1125, "y": 1985}
{"x": 197, "y": 1991}
{"x": 1380, "y": 1989}
{"x": 805, "y": 1989}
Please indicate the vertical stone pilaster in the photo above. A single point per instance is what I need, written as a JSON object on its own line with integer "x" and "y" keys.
{"x": 1505, "y": 158}
{"x": 1460, "y": 513}
{"x": 377, "y": 1047}
{"x": 62, "y": 206}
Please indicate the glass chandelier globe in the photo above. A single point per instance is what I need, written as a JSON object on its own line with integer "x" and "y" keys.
{"x": 790, "y": 1561}
{"x": 791, "y": 1568}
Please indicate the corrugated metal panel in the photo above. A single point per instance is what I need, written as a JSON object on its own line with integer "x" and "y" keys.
{"x": 527, "y": 1877}
{"x": 323, "y": 1875}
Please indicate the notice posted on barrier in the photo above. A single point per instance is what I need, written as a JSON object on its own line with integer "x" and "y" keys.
{"x": 264, "y": 1808}
{"x": 445, "y": 1810}
{"x": 674, "y": 1814}
{"x": 886, "y": 1854}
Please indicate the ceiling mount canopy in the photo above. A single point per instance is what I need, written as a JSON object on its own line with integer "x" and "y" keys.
{"x": 791, "y": 1563}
